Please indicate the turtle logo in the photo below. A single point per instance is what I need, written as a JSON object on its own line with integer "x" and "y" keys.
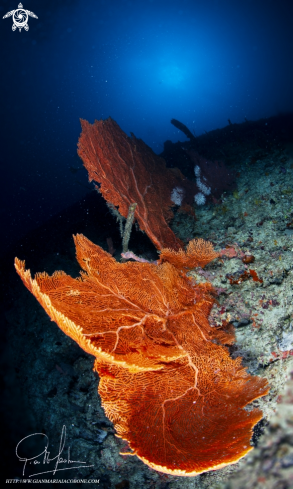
{"x": 20, "y": 17}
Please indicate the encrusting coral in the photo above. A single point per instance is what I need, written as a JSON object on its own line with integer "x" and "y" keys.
{"x": 167, "y": 381}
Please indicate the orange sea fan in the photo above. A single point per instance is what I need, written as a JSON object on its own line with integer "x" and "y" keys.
{"x": 129, "y": 171}
{"x": 167, "y": 381}
{"x": 198, "y": 254}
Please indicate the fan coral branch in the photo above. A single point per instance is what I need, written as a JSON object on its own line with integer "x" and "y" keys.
{"x": 198, "y": 254}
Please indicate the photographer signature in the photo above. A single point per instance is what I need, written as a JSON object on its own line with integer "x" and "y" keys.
{"x": 43, "y": 458}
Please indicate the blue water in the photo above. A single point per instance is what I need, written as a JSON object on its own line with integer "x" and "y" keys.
{"x": 142, "y": 62}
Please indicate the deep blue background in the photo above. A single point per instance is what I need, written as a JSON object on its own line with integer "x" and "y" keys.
{"x": 142, "y": 62}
